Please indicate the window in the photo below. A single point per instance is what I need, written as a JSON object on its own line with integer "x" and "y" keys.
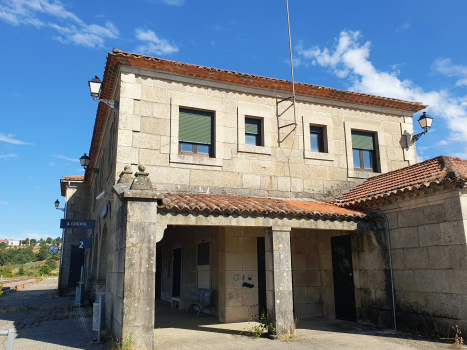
{"x": 196, "y": 133}
{"x": 253, "y": 132}
{"x": 317, "y": 139}
{"x": 203, "y": 253}
{"x": 363, "y": 145}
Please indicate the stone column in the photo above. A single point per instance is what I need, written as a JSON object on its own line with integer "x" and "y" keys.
{"x": 142, "y": 232}
{"x": 279, "y": 280}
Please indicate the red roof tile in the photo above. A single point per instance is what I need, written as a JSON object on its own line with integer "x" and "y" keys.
{"x": 208, "y": 203}
{"x": 73, "y": 178}
{"x": 429, "y": 173}
{"x": 65, "y": 179}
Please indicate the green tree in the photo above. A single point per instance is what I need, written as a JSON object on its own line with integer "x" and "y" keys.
{"x": 33, "y": 242}
{"x": 52, "y": 263}
{"x": 26, "y": 241}
{"x": 49, "y": 240}
{"x": 2, "y": 245}
{"x": 45, "y": 269}
{"x": 42, "y": 255}
{"x": 21, "y": 271}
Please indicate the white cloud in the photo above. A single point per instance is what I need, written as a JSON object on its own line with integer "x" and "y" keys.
{"x": 406, "y": 25}
{"x": 153, "y": 44}
{"x": 6, "y": 156}
{"x": 9, "y": 138}
{"x": 350, "y": 59}
{"x": 52, "y": 163}
{"x": 66, "y": 158}
{"x": 76, "y": 31}
{"x": 175, "y": 2}
{"x": 445, "y": 66}
{"x": 441, "y": 143}
{"x": 2, "y": 202}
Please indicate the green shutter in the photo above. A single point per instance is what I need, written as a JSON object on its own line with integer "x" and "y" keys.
{"x": 252, "y": 126}
{"x": 195, "y": 126}
{"x": 362, "y": 140}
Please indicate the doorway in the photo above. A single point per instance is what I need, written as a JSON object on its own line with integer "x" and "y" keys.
{"x": 176, "y": 272}
{"x": 76, "y": 261}
{"x": 158, "y": 272}
{"x": 342, "y": 271}
{"x": 261, "y": 251}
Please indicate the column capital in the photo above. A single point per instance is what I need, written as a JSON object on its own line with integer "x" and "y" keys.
{"x": 278, "y": 229}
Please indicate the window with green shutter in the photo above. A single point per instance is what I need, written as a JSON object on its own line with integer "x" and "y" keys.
{"x": 253, "y": 132}
{"x": 364, "y": 155}
{"x": 196, "y": 132}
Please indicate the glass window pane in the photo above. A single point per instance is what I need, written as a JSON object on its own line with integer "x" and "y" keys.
{"x": 203, "y": 149}
{"x": 314, "y": 140}
{"x": 356, "y": 158}
{"x": 250, "y": 139}
{"x": 187, "y": 147}
{"x": 367, "y": 160}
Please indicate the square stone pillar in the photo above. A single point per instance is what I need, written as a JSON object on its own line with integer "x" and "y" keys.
{"x": 279, "y": 293}
{"x": 140, "y": 268}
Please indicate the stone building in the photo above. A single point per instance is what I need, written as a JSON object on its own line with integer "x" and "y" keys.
{"x": 215, "y": 179}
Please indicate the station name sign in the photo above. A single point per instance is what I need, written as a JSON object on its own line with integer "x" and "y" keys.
{"x": 78, "y": 224}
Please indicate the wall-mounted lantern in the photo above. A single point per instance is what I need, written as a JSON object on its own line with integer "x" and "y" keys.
{"x": 57, "y": 204}
{"x": 85, "y": 160}
{"x": 425, "y": 122}
{"x": 95, "y": 86}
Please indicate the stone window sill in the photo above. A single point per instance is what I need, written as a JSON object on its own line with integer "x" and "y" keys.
{"x": 206, "y": 161}
{"x": 362, "y": 174}
{"x": 319, "y": 156}
{"x": 254, "y": 149}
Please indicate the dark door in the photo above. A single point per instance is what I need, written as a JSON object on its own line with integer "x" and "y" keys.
{"x": 342, "y": 271}
{"x": 158, "y": 272}
{"x": 76, "y": 261}
{"x": 260, "y": 247}
{"x": 176, "y": 272}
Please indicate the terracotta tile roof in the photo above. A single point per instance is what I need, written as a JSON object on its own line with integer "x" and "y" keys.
{"x": 64, "y": 180}
{"x": 73, "y": 178}
{"x": 207, "y": 203}
{"x": 118, "y": 57}
{"x": 432, "y": 172}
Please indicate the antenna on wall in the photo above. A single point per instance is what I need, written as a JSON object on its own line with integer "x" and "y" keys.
{"x": 291, "y": 64}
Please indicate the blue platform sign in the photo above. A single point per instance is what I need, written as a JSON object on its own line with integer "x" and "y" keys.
{"x": 78, "y": 224}
{"x": 85, "y": 243}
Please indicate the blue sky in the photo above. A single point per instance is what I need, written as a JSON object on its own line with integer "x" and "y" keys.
{"x": 412, "y": 50}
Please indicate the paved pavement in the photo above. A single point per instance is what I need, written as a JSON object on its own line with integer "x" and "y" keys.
{"x": 43, "y": 321}
{"x": 177, "y": 330}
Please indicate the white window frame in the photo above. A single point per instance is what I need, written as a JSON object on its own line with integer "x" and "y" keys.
{"x": 257, "y": 111}
{"x": 310, "y": 118}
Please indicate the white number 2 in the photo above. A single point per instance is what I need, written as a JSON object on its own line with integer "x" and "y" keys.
{"x": 81, "y": 244}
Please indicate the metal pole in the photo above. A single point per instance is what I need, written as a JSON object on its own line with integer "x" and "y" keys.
{"x": 100, "y": 294}
{"x": 291, "y": 65}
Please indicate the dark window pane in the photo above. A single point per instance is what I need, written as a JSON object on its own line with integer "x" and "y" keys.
{"x": 314, "y": 139}
{"x": 317, "y": 138}
{"x": 203, "y": 253}
{"x": 203, "y": 149}
{"x": 367, "y": 160}
{"x": 356, "y": 158}
{"x": 187, "y": 147}
{"x": 251, "y": 139}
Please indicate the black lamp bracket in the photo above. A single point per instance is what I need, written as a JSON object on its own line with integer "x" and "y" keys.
{"x": 417, "y": 136}
{"x": 111, "y": 103}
